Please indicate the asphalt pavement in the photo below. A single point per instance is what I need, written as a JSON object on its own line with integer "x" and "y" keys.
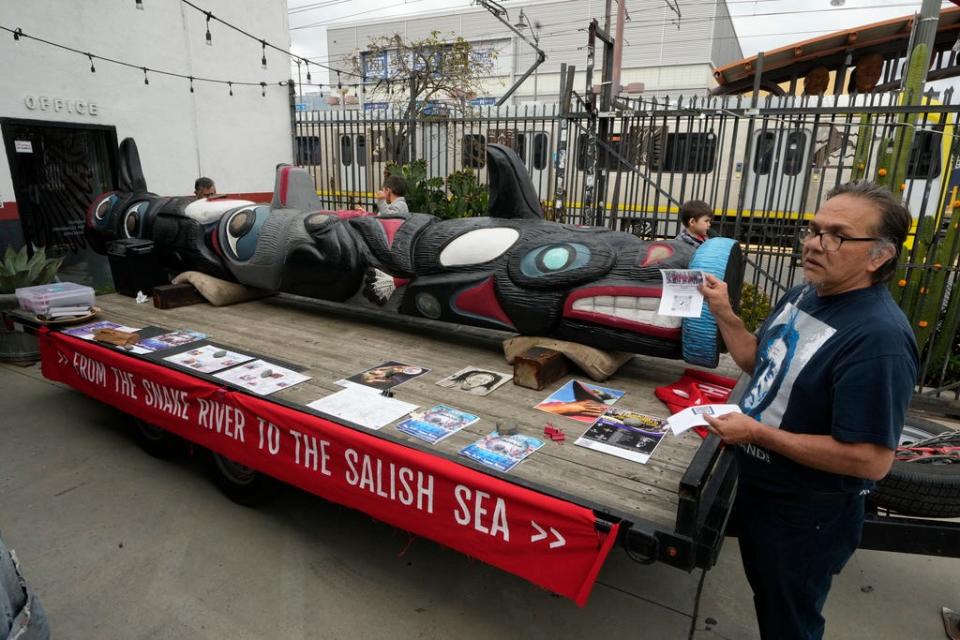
{"x": 121, "y": 545}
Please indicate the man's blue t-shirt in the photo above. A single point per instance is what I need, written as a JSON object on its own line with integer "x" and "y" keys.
{"x": 842, "y": 365}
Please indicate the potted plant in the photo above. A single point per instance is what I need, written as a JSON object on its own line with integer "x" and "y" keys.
{"x": 16, "y": 271}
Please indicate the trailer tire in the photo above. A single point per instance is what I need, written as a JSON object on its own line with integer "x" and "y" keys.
{"x": 719, "y": 257}
{"x": 924, "y": 490}
{"x": 157, "y": 442}
{"x": 240, "y": 483}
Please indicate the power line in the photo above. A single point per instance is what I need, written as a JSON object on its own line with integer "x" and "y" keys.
{"x": 357, "y": 13}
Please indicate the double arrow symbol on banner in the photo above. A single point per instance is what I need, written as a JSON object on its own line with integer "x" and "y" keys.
{"x": 541, "y": 534}
{"x": 62, "y": 359}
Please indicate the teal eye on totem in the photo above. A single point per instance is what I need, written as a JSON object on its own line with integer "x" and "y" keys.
{"x": 243, "y": 230}
{"x": 554, "y": 258}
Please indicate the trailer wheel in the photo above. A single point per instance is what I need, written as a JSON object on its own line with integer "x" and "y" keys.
{"x": 157, "y": 442}
{"x": 240, "y": 483}
{"x": 719, "y": 257}
{"x": 926, "y": 488}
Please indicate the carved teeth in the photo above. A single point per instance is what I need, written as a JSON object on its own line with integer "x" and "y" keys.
{"x": 633, "y": 308}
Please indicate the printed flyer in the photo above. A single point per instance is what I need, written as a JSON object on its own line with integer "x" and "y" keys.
{"x": 437, "y": 423}
{"x": 625, "y": 433}
{"x": 501, "y": 452}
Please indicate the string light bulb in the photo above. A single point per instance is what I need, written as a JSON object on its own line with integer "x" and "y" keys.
{"x": 140, "y": 5}
{"x": 93, "y": 69}
{"x": 209, "y": 36}
{"x": 308, "y": 71}
{"x": 339, "y": 86}
{"x": 17, "y": 33}
{"x": 231, "y": 88}
{"x": 146, "y": 80}
{"x": 191, "y": 84}
{"x": 263, "y": 89}
{"x": 263, "y": 54}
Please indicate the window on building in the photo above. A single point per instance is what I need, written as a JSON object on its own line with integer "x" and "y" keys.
{"x": 474, "y": 151}
{"x": 582, "y": 143}
{"x": 764, "y": 152}
{"x": 924, "y": 162}
{"x": 388, "y": 147}
{"x": 361, "y": 150}
{"x": 540, "y": 145}
{"x": 346, "y": 151}
{"x": 793, "y": 153}
{"x": 688, "y": 153}
{"x": 622, "y": 148}
{"x": 308, "y": 150}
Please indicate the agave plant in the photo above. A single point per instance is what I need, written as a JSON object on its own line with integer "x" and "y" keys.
{"x": 16, "y": 270}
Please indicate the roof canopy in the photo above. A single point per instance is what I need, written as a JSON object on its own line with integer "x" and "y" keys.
{"x": 887, "y": 41}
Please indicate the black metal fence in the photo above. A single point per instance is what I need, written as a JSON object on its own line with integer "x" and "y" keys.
{"x": 765, "y": 167}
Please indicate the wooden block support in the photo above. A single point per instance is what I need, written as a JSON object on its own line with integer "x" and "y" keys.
{"x": 171, "y": 296}
{"x": 537, "y": 367}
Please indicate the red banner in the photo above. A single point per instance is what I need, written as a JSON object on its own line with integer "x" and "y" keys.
{"x": 548, "y": 541}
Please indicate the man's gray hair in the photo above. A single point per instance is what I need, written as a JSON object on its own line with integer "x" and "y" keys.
{"x": 894, "y": 222}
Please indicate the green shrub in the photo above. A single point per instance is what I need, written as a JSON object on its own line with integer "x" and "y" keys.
{"x": 18, "y": 271}
{"x": 754, "y": 307}
{"x": 460, "y": 196}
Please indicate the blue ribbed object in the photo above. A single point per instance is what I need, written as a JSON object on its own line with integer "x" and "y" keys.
{"x": 700, "y": 335}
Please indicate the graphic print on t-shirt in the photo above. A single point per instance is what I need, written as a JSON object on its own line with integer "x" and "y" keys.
{"x": 788, "y": 345}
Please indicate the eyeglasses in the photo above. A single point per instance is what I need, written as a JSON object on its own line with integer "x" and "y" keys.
{"x": 831, "y": 242}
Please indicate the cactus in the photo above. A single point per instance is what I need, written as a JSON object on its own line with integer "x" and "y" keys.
{"x": 16, "y": 270}
{"x": 933, "y": 312}
{"x": 890, "y": 174}
{"x": 861, "y": 155}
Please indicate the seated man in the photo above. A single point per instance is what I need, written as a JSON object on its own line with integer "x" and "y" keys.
{"x": 204, "y": 188}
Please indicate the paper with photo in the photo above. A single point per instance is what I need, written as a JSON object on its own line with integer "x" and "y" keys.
{"x": 581, "y": 401}
{"x": 85, "y": 331}
{"x": 693, "y": 416}
{"x": 436, "y": 423}
{"x": 208, "y": 359}
{"x": 362, "y": 407}
{"x": 176, "y": 338}
{"x": 624, "y": 433}
{"x": 681, "y": 295}
{"x": 501, "y": 452}
{"x": 477, "y": 381}
{"x": 261, "y": 377}
{"x": 385, "y": 375}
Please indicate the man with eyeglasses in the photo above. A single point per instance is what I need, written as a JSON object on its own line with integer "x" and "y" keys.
{"x": 832, "y": 372}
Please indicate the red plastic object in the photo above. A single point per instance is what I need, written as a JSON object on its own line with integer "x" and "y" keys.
{"x": 694, "y": 388}
{"x": 554, "y": 433}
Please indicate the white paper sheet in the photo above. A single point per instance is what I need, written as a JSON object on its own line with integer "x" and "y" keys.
{"x": 693, "y": 416}
{"x": 261, "y": 377}
{"x": 208, "y": 359}
{"x": 681, "y": 295}
{"x": 363, "y": 407}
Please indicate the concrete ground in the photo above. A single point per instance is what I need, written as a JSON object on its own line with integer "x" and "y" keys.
{"x": 122, "y": 545}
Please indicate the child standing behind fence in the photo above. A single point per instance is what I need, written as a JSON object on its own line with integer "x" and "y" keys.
{"x": 390, "y": 199}
{"x": 695, "y": 219}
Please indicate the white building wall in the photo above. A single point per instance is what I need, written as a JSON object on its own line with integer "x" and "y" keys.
{"x": 666, "y": 58}
{"x": 726, "y": 46}
{"x": 235, "y": 140}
